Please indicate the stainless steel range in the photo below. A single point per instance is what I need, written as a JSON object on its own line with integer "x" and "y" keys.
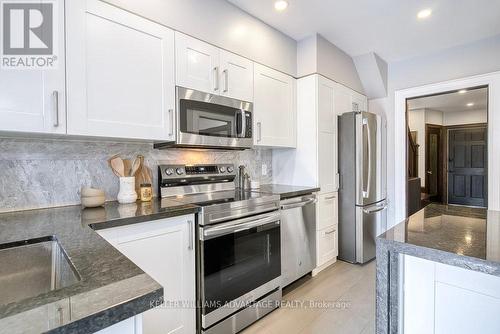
{"x": 239, "y": 260}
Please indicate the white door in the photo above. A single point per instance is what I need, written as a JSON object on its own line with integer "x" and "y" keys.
{"x": 164, "y": 249}
{"x": 327, "y": 119}
{"x": 274, "y": 108}
{"x": 33, "y": 100}
{"x": 343, "y": 100}
{"x": 236, "y": 76}
{"x": 120, "y": 73}
{"x": 197, "y": 64}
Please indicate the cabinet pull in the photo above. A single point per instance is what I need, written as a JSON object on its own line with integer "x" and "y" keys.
{"x": 216, "y": 77}
{"x": 259, "y": 128}
{"x": 55, "y": 99}
{"x": 191, "y": 234}
{"x": 171, "y": 122}
{"x": 226, "y": 80}
{"x": 330, "y": 197}
{"x": 329, "y": 232}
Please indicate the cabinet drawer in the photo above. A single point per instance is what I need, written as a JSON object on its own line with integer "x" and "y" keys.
{"x": 327, "y": 210}
{"x": 327, "y": 248}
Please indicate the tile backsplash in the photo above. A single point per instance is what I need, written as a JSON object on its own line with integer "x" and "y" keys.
{"x": 45, "y": 173}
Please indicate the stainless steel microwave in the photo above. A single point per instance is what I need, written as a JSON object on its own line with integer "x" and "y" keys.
{"x": 205, "y": 120}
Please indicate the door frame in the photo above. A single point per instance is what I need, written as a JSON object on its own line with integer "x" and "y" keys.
{"x": 441, "y": 158}
{"x": 446, "y": 151}
{"x": 492, "y": 80}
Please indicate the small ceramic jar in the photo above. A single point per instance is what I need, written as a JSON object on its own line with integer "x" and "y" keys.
{"x": 127, "y": 192}
{"x": 146, "y": 192}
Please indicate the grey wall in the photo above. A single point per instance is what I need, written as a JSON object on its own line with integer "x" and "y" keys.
{"x": 458, "y": 62}
{"x": 224, "y": 25}
{"x": 44, "y": 173}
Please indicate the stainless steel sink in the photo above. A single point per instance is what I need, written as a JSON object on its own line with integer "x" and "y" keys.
{"x": 33, "y": 267}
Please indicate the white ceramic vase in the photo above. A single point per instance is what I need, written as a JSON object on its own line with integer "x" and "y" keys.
{"x": 127, "y": 192}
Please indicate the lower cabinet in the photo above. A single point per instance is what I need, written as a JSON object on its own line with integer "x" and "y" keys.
{"x": 326, "y": 231}
{"x": 165, "y": 250}
{"x": 131, "y": 325}
{"x": 439, "y": 299}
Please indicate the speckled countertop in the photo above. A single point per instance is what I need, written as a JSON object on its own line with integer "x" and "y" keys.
{"x": 286, "y": 191}
{"x": 111, "y": 288}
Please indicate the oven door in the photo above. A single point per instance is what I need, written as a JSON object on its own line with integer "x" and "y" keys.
{"x": 210, "y": 120}
{"x": 240, "y": 262}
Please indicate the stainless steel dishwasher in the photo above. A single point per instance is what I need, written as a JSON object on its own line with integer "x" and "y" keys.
{"x": 298, "y": 237}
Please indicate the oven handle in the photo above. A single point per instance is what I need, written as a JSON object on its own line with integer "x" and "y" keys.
{"x": 240, "y": 225}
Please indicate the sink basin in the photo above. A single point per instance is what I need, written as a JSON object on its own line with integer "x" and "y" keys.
{"x": 33, "y": 267}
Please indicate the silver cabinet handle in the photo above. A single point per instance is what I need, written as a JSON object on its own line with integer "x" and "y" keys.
{"x": 259, "y": 128}
{"x": 191, "y": 234}
{"x": 330, "y": 232}
{"x": 226, "y": 80}
{"x": 330, "y": 197}
{"x": 55, "y": 98}
{"x": 171, "y": 122}
{"x": 216, "y": 76}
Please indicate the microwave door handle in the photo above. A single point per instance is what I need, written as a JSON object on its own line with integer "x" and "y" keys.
{"x": 243, "y": 124}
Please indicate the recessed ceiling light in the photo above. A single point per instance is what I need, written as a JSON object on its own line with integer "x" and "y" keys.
{"x": 280, "y": 5}
{"x": 470, "y": 104}
{"x": 424, "y": 13}
{"x": 462, "y": 91}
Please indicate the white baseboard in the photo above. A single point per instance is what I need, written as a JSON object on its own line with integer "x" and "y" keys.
{"x": 317, "y": 270}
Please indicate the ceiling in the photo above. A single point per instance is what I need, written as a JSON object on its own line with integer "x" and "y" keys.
{"x": 388, "y": 27}
{"x": 452, "y": 102}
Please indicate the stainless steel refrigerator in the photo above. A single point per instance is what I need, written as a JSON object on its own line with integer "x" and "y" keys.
{"x": 362, "y": 186}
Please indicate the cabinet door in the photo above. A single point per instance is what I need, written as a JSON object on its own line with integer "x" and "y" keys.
{"x": 197, "y": 64}
{"x": 327, "y": 162}
{"x": 274, "y": 108}
{"x": 327, "y": 120}
{"x": 358, "y": 100}
{"x": 164, "y": 249}
{"x": 343, "y": 100}
{"x": 236, "y": 76}
{"x": 33, "y": 100}
{"x": 120, "y": 73}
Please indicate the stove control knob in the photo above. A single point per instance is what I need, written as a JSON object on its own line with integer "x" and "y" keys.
{"x": 179, "y": 171}
{"x": 230, "y": 169}
{"x": 222, "y": 169}
{"x": 169, "y": 171}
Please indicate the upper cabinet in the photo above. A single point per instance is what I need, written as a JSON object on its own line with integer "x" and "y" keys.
{"x": 204, "y": 67}
{"x": 274, "y": 108}
{"x": 120, "y": 73}
{"x": 33, "y": 99}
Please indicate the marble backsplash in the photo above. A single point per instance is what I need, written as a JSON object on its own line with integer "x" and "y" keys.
{"x": 38, "y": 173}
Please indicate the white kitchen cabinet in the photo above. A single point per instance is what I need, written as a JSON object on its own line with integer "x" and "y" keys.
{"x": 165, "y": 250}
{"x": 197, "y": 64}
{"x": 204, "y": 67}
{"x": 430, "y": 286}
{"x": 275, "y": 121}
{"x": 326, "y": 247}
{"x": 120, "y": 73}
{"x": 236, "y": 76}
{"x": 131, "y": 325}
{"x": 327, "y": 210}
{"x": 34, "y": 100}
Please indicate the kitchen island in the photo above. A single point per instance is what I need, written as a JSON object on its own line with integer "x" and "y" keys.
{"x": 440, "y": 254}
{"x": 96, "y": 287}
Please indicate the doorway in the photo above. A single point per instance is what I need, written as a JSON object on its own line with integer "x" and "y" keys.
{"x": 448, "y": 148}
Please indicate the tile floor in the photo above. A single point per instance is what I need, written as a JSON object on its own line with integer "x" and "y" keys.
{"x": 349, "y": 288}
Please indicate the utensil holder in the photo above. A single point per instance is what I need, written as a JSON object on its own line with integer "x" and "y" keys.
{"x": 127, "y": 192}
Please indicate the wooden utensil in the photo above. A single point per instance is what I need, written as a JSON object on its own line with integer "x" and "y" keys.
{"x": 136, "y": 165}
{"x": 116, "y": 164}
{"x": 128, "y": 166}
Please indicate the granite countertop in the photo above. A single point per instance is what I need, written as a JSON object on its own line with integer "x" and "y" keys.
{"x": 286, "y": 191}
{"x": 466, "y": 237}
{"x": 111, "y": 287}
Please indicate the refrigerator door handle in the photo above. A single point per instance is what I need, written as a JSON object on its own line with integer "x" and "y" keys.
{"x": 366, "y": 193}
{"x": 376, "y": 209}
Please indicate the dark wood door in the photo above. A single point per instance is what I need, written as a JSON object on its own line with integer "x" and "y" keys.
{"x": 467, "y": 166}
{"x": 433, "y": 162}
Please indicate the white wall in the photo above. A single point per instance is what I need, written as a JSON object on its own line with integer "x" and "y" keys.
{"x": 433, "y": 117}
{"x": 465, "y": 117}
{"x": 416, "y": 122}
{"x": 458, "y": 62}
{"x": 224, "y": 25}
